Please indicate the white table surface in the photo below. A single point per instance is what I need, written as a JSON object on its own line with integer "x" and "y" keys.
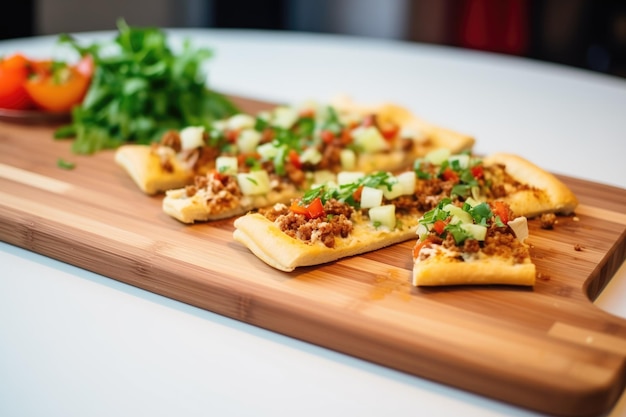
{"x": 74, "y": 343}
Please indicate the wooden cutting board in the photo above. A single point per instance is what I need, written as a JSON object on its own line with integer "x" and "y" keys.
{"x": 547, "y": 348}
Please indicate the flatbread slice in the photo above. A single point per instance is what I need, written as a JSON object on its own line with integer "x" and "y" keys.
{"x": 332, "y": 221}
{"x": 426, "y": 136}
{"x": 146, "y": 168}
{"x": 472, "y": 243}
{"x": 269, "y": 243}
{"x": 218, "y": 196}
{"x": 529, "y": 190}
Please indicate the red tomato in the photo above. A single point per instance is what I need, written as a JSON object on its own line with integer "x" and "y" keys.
{"x": 439, "y": 226}
{"x": 294, "y": 158}
{"x": 316, "y": 209}
{"x": 449, "y": 175}
{"x": 478, "y": 171}
{"x": 58, "y": 87}
{"x": 499, "y": 208}
{"x": 389, "y": 131}
{"x": 13, "y": 75}
{"x": 298, "y": 209}
{"x": 357, "y": 193}
{"x": 327, "y": 136}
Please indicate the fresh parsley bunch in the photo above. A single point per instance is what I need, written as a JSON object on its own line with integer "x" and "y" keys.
{"x": 140, "y": 89}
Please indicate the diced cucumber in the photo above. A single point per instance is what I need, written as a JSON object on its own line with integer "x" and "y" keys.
{"x": 461, "y": 159}
{"x": 348, "y": 177}
{"x": 311, "y": 156}
{"x": 407, "y": 181}
{"x": 248, "y": 140}
{"x": 323, "y": 177}
{"x": 395, "y": 191}
{"x": 267, "y": 151}
{"x": 369, "y": 139}
{"x": 226, "y": 165}
{"x": 254, "y": 182}
{"x": 240, "y": 121}
{"x": 284, "y": 117}
{"x": 458, "y": 214}
{"x": 348, "y": 159}
{"x": 383, "y": 216}
{"x": 476, "y": 231}
{"x": 371, "y": 197}
{"x": 438, "y": 156}
{"x": 191, "y": 137}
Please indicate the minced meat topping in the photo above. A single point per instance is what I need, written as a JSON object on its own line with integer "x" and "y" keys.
{"x": 324, "y": 229}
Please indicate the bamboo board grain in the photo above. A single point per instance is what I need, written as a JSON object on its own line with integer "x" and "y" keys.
{"x": 547, "y": 348}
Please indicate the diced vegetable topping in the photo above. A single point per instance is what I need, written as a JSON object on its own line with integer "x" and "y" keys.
{"x": 470, "y": 220}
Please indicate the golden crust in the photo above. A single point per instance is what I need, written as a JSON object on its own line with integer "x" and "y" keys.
{"x": 277, "y": 249}
{"x": 145, "y": 168}
{"x": 430, "y": 135}
{"x": 443, "y": 270}
{"x": 197, "y": 209}
{"x": 550, "y": 194}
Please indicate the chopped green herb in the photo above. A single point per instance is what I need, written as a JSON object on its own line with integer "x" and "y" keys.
{"x": 63, "y": 164}
{"x": 141, "y": 90}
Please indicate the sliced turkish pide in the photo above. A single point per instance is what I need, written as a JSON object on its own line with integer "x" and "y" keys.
{"x": 229, "y": 190}
{"x": 472, "y": 243}
{"x": 528, "y": 189}
{"x": 424, "y": 135}
{"x": 173, "y": 162}
{"x": 357, "y": 214}
{"x": 297, "y": 141}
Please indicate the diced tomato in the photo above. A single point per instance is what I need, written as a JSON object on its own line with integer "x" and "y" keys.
{"x": 294, "y": 158}
{"x": 14, "y": 72}
{"x": 357, "y": 193}
{"x": 297, "y": 208}
{"x": 219, "y": 176}
{"x": 439, "y": 226}
{"x": 327, "y": 136}
{"x": 316, "y": 208}
{"x": 500, "y": 209}
{"x": 231, "y": 135}
{"x": 308, "y": 113}
{"x": 477, "y": 171}
{"x": 389, "y": 131}
{"x": 449, "y": 175}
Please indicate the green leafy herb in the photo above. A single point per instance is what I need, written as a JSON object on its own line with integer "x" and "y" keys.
{"x": 141, "y": 90}
{"x": 63, "y": 164}
{"x": 345, "y": 192}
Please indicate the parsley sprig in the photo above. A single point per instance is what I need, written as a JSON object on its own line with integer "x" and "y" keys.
{"x": 140, "y": 90}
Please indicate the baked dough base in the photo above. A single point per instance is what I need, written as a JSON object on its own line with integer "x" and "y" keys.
{"x": 553, "y": 196}
{"x": 430, "y": 135}
{"x": 443, "y": 270}
{"x": 275, "y": 248}
{"x": 144, "y": 167}
{"x": 195, "y": 209}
